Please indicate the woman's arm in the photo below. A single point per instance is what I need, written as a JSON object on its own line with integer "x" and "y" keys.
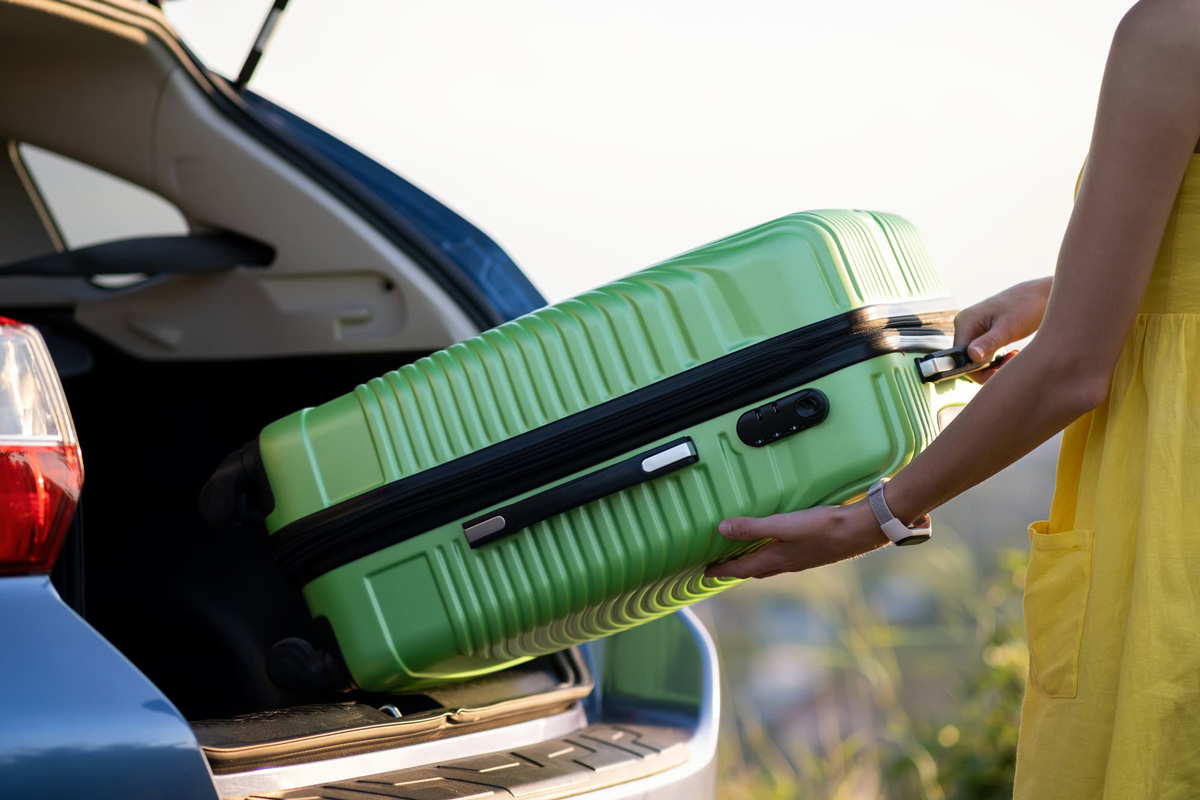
{"x": 1147, "y": 125}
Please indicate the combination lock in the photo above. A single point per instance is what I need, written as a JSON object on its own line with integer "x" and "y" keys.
{"x": 783, "y": 417}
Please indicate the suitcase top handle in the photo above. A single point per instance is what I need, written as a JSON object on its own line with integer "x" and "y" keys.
{"x": 951, "y": 363}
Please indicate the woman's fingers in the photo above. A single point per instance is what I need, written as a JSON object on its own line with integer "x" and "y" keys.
{"x": 775, "y": 557}
{"x": 986, "y": 327}
{"x": 771, "y": 558}
{"x": 780, "y": 526}
{"x": 1001, "y": 319}
{"x": 984, "y": 375}
{"x": 985, "y": 344}
{"x": 802, "y": 540}
{"x": 970, "y": 323}
{"x": 983, "y": 348}
{"x": 751, "y": 528}
{"x": 762, "y": 575}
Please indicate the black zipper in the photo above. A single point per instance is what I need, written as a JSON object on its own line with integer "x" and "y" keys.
{"x": 400, "y": 510}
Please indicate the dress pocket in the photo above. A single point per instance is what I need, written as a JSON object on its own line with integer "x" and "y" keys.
{"x": 1056, "y": 594}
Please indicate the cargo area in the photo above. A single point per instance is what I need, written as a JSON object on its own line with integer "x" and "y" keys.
{"x": 197, "y": 609}
{"x": 299, "y": 734}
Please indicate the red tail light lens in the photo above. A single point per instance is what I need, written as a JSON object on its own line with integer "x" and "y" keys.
{"x": 41, "y": 470}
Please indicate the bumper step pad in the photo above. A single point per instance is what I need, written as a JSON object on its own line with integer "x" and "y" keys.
{"x": 590, "y": 759}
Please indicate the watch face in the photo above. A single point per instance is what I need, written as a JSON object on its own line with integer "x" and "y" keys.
{"x": 916, "y": 538}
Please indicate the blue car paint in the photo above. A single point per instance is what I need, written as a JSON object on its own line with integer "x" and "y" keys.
{"x": 479, "y": 257}
{"x": 77, "y": 719}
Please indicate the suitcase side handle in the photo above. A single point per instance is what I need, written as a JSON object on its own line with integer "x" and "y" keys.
{"x": 614, "y": 478}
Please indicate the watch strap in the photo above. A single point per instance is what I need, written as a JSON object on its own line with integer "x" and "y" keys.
{"x": 900, "y": 534}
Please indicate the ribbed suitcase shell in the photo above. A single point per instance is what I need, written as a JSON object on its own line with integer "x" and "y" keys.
{"x": 432, "y": 608}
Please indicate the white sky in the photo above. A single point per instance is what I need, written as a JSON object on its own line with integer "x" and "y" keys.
{"x": 592, "y": 139}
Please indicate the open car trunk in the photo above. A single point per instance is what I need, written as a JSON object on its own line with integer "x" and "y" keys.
{"x": 310, "y": 260}
{"x": 166, "y": 375}
{"x": 198, "y": 610}
{"x": 545, "y": 686}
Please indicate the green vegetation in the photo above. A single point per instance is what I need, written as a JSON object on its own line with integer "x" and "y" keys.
{"x": 898, "y": 675}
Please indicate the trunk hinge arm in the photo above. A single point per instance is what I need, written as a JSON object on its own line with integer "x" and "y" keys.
{"x": 260, "y": 44}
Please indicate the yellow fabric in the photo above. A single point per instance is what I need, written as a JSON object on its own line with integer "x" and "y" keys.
{"x": 1112, "y": 595}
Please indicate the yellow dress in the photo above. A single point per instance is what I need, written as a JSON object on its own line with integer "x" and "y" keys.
{"x": 1112, "y": 594}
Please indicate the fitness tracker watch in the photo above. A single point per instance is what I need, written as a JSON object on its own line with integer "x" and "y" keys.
{"x": 900, "y": 534}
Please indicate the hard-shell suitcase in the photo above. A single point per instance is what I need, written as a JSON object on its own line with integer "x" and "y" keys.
{"x": 561, "y": 477}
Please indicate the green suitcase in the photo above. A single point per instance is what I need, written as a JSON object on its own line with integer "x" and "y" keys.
{"x": 561, "y": 477}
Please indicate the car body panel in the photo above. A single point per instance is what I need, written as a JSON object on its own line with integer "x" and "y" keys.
{"x": 77, "y": 715}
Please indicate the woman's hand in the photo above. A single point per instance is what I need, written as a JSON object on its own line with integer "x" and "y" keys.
{"x": 1000, "y": 320}
{"x": 802, "y": 540}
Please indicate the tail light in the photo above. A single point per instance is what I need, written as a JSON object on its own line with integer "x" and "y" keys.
{"x": 41, "y": 470}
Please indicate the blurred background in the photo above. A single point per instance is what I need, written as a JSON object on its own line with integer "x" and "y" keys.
{"x": 592, "y": 139}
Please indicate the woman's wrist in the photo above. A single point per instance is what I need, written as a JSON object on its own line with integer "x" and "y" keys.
{"x": 899, "y": 498}
{"x": 859, "y": 528}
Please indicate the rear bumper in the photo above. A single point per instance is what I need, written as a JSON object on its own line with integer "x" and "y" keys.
{"x": 642, "y": 749}
{"x": 696, "y": 778}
